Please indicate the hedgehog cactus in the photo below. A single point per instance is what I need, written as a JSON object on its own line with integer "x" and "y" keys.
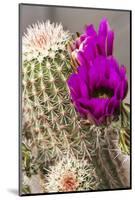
{"x": 50, "y": 125}
{"x": 71, "y": 174}
{"x": 45, "y": 69}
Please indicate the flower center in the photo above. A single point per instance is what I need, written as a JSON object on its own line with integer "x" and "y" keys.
{"x": 103, "y": 93}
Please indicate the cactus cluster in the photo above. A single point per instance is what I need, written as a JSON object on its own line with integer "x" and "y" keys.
{"x": 50, "y": 123}
{"x": 51, "y": 127}
{"x": 49, "y": 117}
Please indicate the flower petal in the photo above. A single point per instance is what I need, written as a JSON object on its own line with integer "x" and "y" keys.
{"x": 103, "y": 27}
{"x": 96, "y": 107}
{"x": 110, "y": 39}
{"x": 74, "y": 87}
{"x": 90, "y": 31}
{"x": 113, "y": 106}
{"x": 88, "y": 48}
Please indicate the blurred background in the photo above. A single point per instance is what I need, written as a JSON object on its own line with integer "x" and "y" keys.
{"x": 74, "y": 19}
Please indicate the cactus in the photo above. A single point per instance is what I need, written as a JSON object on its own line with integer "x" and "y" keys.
{"x": 108, "y": 158}
{"x": 51, "y": 125}
{"x": 49, "y": 117}
{"x": 71, "y": 174}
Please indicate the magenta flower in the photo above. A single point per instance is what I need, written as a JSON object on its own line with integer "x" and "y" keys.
{"x": 98, "y": 88}
{"x": 91, "y": 44}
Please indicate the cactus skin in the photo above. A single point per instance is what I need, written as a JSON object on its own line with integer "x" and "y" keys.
{"x": 49, "y": 116}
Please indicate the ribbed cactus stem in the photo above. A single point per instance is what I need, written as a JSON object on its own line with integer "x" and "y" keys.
{"x": 48, "y": 111}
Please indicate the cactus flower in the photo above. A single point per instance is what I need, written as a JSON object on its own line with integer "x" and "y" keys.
{"x": 98, "y": 88}
{"x": 91, "y": 43}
